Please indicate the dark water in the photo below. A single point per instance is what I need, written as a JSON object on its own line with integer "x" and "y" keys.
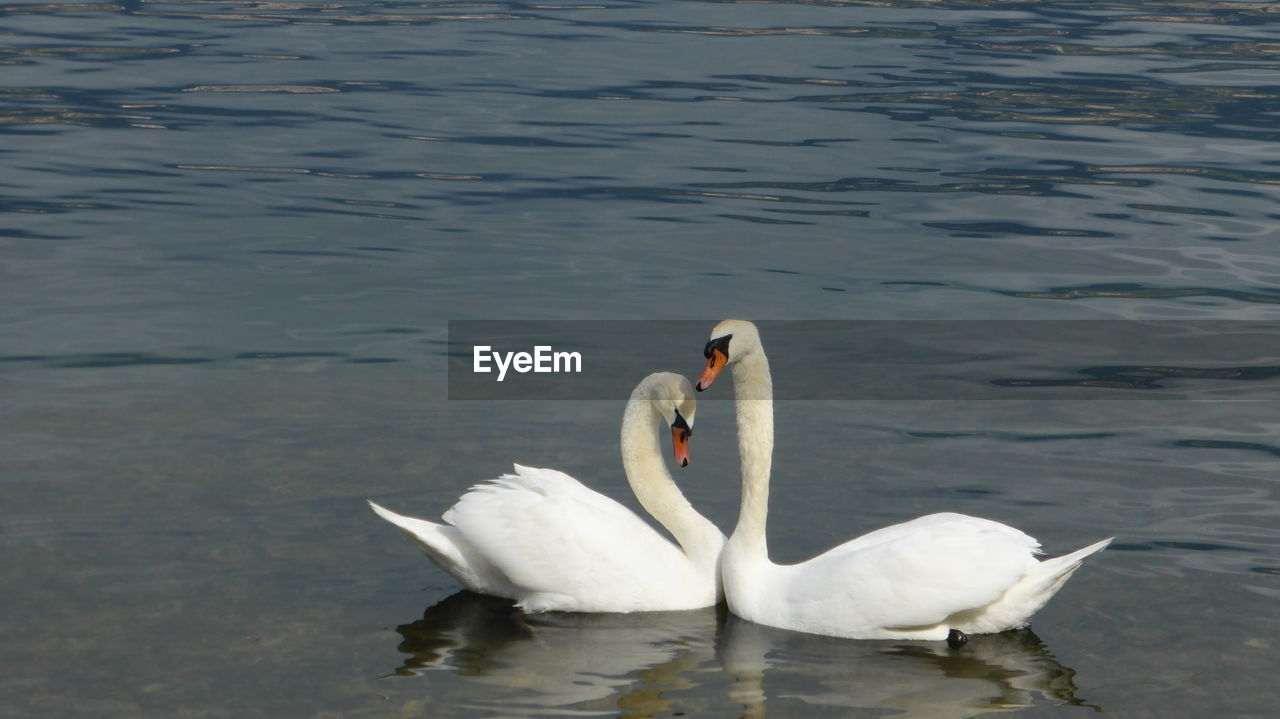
{"x": 233, "y": 232}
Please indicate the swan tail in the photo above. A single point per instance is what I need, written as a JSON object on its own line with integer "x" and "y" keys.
{"x": 1050, "y": 574}
{"x": 449, "y": 549}
{"x": 1015, "y": 607}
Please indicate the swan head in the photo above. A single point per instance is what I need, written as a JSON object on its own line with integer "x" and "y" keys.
{"x": 672, "y": 397}
{"x": 730, "y": 341}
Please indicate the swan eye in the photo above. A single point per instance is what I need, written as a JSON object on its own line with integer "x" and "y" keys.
{"x": 721, "y": 344}
{"x": 682, "y": 425}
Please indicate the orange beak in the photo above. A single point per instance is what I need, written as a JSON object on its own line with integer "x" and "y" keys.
{"x": 716, "y": 361}
{"x": 680, "y": 443}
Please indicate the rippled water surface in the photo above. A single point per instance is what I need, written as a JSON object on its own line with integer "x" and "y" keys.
{"x": 232, "y": 234}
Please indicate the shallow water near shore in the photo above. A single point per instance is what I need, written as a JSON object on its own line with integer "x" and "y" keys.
{"x": 234, "y": 234}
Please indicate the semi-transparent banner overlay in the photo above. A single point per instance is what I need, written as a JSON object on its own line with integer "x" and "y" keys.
{"x": 878, "y": 359}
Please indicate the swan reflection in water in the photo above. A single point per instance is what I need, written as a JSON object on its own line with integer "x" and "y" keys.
{"x": 597, "y": 663}
{"x": 707, "y": 662}
{"x": 1009, "y": 671}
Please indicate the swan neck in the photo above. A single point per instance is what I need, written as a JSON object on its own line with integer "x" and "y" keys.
{"x": 653, "y": 486}
{"x": 753, "y": 405}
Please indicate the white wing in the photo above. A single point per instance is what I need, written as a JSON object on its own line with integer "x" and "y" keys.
{"x": 909, "y": 575}
{"x": 569, "y": 548}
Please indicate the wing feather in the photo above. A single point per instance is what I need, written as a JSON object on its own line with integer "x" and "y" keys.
{"x": 549, "y": 533}
{"x": 914, "y": 574}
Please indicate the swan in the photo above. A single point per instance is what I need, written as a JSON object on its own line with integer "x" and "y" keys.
{"x": 932, "y": 578}
{"x": 541, "y": 538}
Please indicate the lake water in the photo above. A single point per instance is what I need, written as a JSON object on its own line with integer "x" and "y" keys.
{"x": 233, "y": 235}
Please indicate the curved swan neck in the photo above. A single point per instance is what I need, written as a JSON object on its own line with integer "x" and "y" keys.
{"x": 653, "y": 486}
{"x": 753, "y": 405}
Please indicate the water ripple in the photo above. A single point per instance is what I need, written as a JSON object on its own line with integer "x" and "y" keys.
{"x": 112, "y": 360}
{"x": 1139, "y": 292}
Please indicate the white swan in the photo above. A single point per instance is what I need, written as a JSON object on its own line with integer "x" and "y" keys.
{"x": 932, "y": 578}
{"x": 543, "y": 539}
